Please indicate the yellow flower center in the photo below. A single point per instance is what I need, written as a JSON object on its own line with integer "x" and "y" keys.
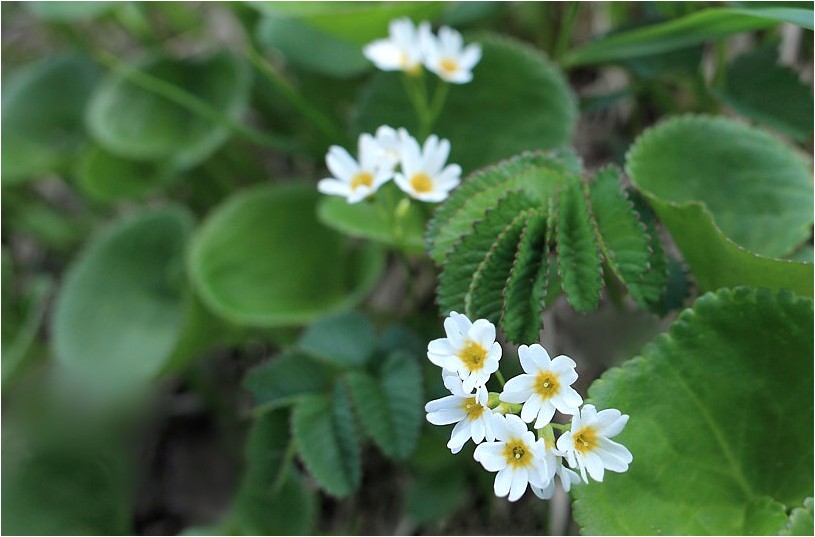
{"x": 448, "y": 65}
{"x": 362, "y": 179}
{"x": 473, "y": 355}
{"x": 472, "y": 408}
{"x": 404, "y": 62}
{"x": 546, "y": 384}
{"x": 585, "y": 439}
{"x": 421, "y": 183}
{"x": 517, "y": 454}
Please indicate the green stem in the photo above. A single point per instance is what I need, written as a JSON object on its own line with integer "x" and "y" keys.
{"x": 417, "y": 98}
{"x": 436, "y": 105}
{"x": 280, "y": 478}
{"x": 567, "y": 28}
{"x": 197, "y": 106}
{"x": 500, "y": 377}
{"x": 323, "y": 123}
{"x": 560, "y": 426}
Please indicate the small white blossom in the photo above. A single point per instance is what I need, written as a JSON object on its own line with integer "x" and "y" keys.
{"x": 402, "y": 50}
{"x": 544, "y": 387}
{"x": 424, "y": 175}
{"x": 468, "y": 411}
{"x": 448, "y": 58}
{"x": 470, "y": 350}
{"x": 356, "y": 180}
{"x": 518, "y": 458}
{"x": 555, "y": 467}
{"x": 389, "y": 143}
{"x": 587, "y": 445}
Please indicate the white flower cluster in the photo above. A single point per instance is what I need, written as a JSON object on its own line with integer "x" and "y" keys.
{"x": 408, "y": 47}
{"x": 468, "y": 356}
{"x": 423, "y": 170}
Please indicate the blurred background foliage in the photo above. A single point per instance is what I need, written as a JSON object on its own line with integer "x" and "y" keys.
{"x": 162, "y": 239}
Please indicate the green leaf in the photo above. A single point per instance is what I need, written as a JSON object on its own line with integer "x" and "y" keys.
{"x": 43, "y": 105}
{"x": 375, "y": 221}
{"x": 695, "y": 28}
{"x": 106, "y": 177}
{"x": 579, "y": 259}
{"x": 728, "y": 194}
{"x": 273, "y": 499}
{"x": 626, "y": 245}
{"x": 262, "y": 259}
{"x": 343, "y": 340}
{"x": 121, "y": 308}
{"x": 137, "y": 123}
{"x": 434, "y": 495}
{"x": 515, "y": 91}
{"x": 801, "y": 520}
{"x": 327, "y": 441}
{"x": 763, "y": 91}
{"x": 731, "y": 377}
{"x": 286, "y": 379}
{"x": 21, "y": 324}
{"x": 68, "y": 11}
{"x": 523, "y": 297}
{"x": 390, "y": 404}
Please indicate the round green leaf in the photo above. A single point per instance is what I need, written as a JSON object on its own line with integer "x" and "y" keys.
{"x": 262, "y": 259}
{"x": 758, "y": 190}
{"x": 104, "y": 176}
{"x": 120, "y": 311}
{"x": 137, "y": 123}
{"x": 515, "y": 91}
{"x": 43, "y": 107}
{"x": 720, "y": 412}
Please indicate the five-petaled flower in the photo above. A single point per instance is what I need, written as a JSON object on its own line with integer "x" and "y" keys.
{"x": 587, "y": 445}
{"x": 424, "y": 175}
{"x": 519, "y": 459}
{"x": 402, "y": 50}
{"x": 470, "y": 350}
{"x": 544, "y": 387}
{"x": 356, "y": 180}
{"x": 448, "y": 57}
{"x": 555, "y": 467}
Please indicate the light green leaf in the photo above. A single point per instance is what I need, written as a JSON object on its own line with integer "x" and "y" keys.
{"x": 43, "y": 106}
{"x": 262, "y": 259}
{"x": 515, "y": 91}
{"x": 286, "y": 379}
{"x": 728, "y": 194}
{"x": 343, "y": 340}
{"x": 389, "y": 405}
{"x": 68, "y": 11}
{"x": 121, "y": 308}
{"x": 106, "y": 177}
{"x": 695, "y": 28}
{"x": 763, "y": 91}
{"x": 134, "y": 122}
{"x": 801, "y": 520}
{"x": 579, "y": 260}
{"x": 326, "y": 437}
{"x": 731, "y": 377}
{"x": 375, "y": 220}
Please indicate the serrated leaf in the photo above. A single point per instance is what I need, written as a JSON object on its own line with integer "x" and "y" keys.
{"x": 706, "y": 399}
{"x": 578, "y": 256}
{"x": 389, "y": 405}
{"x": 624, "y": 240}
{"x": 523, "y": 303}
{"x": 664, "y": 286}
{"x": 344, "y": 340}
{"x": 468, "y": 254}
{"x": 326, "y": 437}
{"x": 801, "y": 520}
{"x": 285, "y": 379}
{"x": 515, "y": 89}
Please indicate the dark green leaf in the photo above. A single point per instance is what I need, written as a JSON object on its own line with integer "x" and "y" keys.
{"x": 285, "y": 379}
{"x": 523, "y": 296}
{"x": 579, "y": 260}
{"x": 344, "y": 340}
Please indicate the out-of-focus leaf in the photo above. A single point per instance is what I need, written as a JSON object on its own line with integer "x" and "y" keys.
{"x": 262, "y": 259}
{"x": 691, "y": 29}
{"x": 437, "y": 494}
{"x": 286, "y": 379}
{"x": 106, "y": 177}
{"x": 763, "y": 91}
{"x": 343, "y": 340}
{"x": 119, "y": 313}
{"x": 801, "y": 520}
{"x": 43, "y": 107}
{"x": 69, "y": 11}
{"x": 134, "y": 122}
{"x": 18, "y": 341}
{"x": 515, "y": 91}
{"x": 705, "y": 400}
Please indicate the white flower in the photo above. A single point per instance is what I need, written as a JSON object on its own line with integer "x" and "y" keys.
{"x": 469, "y": 412}
{"x": 545, "y": 386}
{"x": 356, "y": 180}
{"x": 424, "y": 175}
{"x": 470, "y": 350}
{"x": 402, "y": 50}
{"x": 389, "y": 143}
{"x": 446, "y": 57}
{"x": 517, "y": 457}
{"x": 555, "y": 467}
{"x": 587, "y": 444}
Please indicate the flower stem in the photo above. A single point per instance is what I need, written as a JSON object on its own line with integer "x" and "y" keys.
{"x": 500, "y": 377}
{"x": 561, "y": 426}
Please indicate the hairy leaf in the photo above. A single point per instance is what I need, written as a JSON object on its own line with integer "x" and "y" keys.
{"x": 343, "y": 340}
{"x": 578, "y": 256}
{"x": 285, "y": 379}
{"x": 523, "y": 300}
